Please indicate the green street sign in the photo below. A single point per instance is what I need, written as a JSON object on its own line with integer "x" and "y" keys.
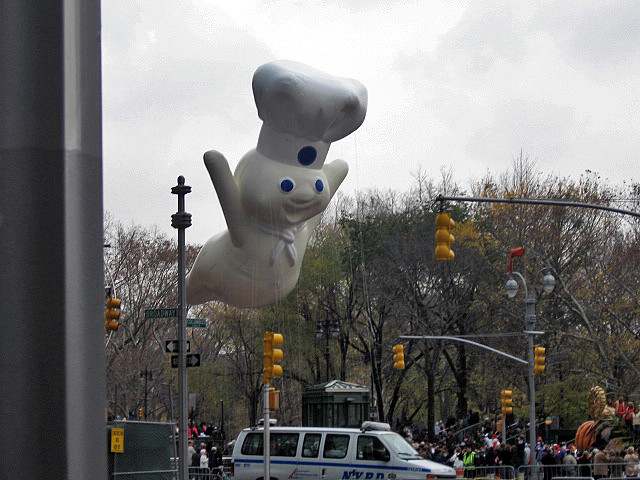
{"x": 160, "y": 313}
{"x": 197, "y": 322}
{"x": 152, "y": 313}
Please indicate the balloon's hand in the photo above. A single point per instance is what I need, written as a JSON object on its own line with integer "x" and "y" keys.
{"x": 228, "y": 194}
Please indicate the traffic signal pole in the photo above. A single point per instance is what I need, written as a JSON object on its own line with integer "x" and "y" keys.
{"x": 52, "y": 366}
{"x": 538, "y": 201}
{"x": 266, "y": 441}
{"x": 530, "y": 323}
{"x": 181, "y": 220}
{"x": 271, "y": 357}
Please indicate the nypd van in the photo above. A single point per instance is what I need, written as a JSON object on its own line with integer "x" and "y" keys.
{"x": 370, "y": 453}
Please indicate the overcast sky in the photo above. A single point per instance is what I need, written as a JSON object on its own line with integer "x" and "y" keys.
{"x": 464, "y": 85}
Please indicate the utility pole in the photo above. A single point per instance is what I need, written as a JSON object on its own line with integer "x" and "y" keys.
{"x": 266, "y": 442}
{"x": 181, "y": 220}
{"x": 530, "y": 324}
{"x": 325, "y": 330}
{"x": 147, "y": 374}
{"x": 52, "y": 365}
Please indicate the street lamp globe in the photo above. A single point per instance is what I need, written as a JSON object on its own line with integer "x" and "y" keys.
{"x": 512, "y": 287}
{"x": 548, "y": 283}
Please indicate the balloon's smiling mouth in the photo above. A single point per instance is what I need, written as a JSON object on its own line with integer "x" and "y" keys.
{"x": 298, "y": 210}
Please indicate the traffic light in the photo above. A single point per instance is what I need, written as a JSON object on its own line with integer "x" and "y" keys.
{"x": 112, "y": 313}
{"x": 398, "y": 356}
{"x": 538, "y": 360}
{"x": 444, "y": 238}
{"x": 271, "y": 356}
{"x": 506, "y": 401}
{"x": 141, "y": 412}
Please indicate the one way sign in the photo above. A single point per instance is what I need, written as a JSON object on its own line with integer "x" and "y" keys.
{"x": 193, "y": 360}
{"x": 173, "y": 346}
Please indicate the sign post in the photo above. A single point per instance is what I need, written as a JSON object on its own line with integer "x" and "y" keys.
{"x": 181, "y": 220}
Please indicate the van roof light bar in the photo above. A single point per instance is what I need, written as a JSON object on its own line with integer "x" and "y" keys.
{"x": 375, "y": 426}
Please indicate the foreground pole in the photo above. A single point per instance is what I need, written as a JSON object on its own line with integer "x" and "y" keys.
{"x": 530, "y": 323}
{"x": 266, "y": 441}
{"x": 181, "y": 220}
{"x": 52, "y": 367}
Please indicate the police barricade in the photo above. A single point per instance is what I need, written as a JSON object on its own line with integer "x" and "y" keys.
{"x": 572, "y": 478}
{"x": 218, "y": 473}
{"x": 490, "y": 473}
{"x": 143, "y": 450}
{"x": 587, "y": 470}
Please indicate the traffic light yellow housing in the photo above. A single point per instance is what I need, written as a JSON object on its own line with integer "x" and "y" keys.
{"x": 112, "y": 313}
{"x": 538, "y": 360}
{"x": 506, "y": 401}
{"x": 398, "y": 356}
{"x": 271, "y": 356}
{"x": 444, "y": 238}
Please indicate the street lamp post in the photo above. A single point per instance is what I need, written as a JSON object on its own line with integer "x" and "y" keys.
{"x": 511, "y": 286}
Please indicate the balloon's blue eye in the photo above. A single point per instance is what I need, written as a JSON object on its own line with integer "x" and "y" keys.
{"x": 286, "y": 185}
{"x": 307, "y": 155}
{"x": 319, "y": 186}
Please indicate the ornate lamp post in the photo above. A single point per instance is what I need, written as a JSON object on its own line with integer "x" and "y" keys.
{"x": 548, "y": 284}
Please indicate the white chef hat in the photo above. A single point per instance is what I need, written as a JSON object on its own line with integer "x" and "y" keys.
{"x": 304, "y": 110}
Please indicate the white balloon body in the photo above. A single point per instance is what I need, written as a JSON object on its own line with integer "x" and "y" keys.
{"x": 272, "y": 202}
{"x": 263, "y": 268}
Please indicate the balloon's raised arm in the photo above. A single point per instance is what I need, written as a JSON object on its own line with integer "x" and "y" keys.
{"x": 228, "y": 194}
{"x": 336, "y": 172}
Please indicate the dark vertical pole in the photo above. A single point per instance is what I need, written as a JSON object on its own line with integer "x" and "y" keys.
{"x": 52, "y": 365}
{"x": 181, "y": 220}
{"x": 146, "y": 376}
{"x": 222, "y": 434}
{"x": 326, "y": 348}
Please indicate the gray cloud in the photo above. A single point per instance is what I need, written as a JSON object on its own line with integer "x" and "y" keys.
{"x": 464, "y": 85}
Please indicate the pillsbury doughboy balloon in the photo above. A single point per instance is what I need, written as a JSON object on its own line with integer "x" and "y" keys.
{"x": 279, "y": 190}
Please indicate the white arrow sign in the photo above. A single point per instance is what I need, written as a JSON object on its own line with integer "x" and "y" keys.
{"x": 173, "y": 346}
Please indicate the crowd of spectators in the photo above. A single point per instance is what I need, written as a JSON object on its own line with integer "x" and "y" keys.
{"x": 472, "y": 445}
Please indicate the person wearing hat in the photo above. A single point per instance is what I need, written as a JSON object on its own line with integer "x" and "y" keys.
{"x": 279, "y": 189}
{"x": 600, "y": 467}
{"x": 631, "y": 467}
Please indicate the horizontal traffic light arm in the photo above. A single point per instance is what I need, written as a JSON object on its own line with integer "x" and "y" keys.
{"x": 537, "y": 201}
{"x": 464, "y": 340}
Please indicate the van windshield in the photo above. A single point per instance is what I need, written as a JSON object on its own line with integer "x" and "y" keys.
{"x": 399, "y": 445}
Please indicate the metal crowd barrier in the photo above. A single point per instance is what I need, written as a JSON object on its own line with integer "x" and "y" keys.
{"x": 208, "y": 474}
{"x": 580, "y": 470}
{"x": 490, "y": 473}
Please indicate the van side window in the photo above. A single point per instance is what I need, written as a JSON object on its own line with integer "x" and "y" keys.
{"x": 252, "y": 444}
{"x": 311, "y": 445}
{"x": 282, "y": 444}
{"x": 371, "y": 448}
{"x": 336, "y": 446}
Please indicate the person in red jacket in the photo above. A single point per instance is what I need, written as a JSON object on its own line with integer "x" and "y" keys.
{"x": 628, "y": 416}
{"x": 620, "y": 407}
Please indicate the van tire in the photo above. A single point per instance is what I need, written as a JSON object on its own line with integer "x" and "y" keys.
{"x": 262, "y": 478}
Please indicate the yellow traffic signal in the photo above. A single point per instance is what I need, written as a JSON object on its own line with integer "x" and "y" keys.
{"x": 538, "y": 360}
{"x": 141, "y": 412}
{"x": 444, "y": 238}
{"x": 271, "y": 356}
{"x": 112, "y": 313}
{"x": 398, "y": 356}
{"x": 506, "y": 401}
